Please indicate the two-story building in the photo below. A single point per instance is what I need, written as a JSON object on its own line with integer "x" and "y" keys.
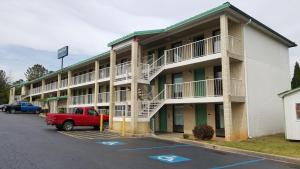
{"x": 221, "y": 67}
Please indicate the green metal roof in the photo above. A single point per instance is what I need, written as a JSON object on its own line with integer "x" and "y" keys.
{"x": 102, "y": 55}
{"x": 212, "y": 11}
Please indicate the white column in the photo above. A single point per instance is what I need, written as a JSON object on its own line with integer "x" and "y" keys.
{"x": 69, "y": 89}
{"x": 96, "y": 91}
{"x": 58, "y": 84}
{"x": 134, "y": 85}
{"x": 111, "y": 87}
{"x": 226, "y": 78}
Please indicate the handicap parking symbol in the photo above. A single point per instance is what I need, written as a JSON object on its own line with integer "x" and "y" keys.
{"x": 169, "y": 158}
{"x": 111, "y": 143}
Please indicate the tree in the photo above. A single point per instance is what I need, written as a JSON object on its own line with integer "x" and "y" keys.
{"x": 35, "y": 71}
{"x": 296, "y": 78}
{"x": 18, "y": 86}
{"x": 4, "y": 88}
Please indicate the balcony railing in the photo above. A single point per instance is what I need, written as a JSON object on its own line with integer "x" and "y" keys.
{"x": 36, "y": 90}
{"x": 122, "y": 95}
{"x": 84, "y": 78}
{"x": 122, "y": 110}
{"x": 123, "y": 71}
{"x": 37, "y": 103}
{"x": 51, "y": 86}
{"x": 64, "y": 83}
{"x": 193, "y": 50}
{"x": 194, "y": 89}
{"x": 104, "y": 73}
{"x": 103, "y": 97}
{"x": 82, "y": 99}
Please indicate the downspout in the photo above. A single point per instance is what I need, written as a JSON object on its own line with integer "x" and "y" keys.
{"x": 246, "y": 88}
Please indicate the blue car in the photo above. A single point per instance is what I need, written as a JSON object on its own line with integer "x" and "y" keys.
{"x": 23, "y": 107}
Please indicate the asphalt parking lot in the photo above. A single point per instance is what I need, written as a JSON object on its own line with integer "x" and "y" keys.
{"x": 27, "y": 143}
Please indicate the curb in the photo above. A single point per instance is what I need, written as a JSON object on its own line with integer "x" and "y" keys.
{"x": 273, "y": 157}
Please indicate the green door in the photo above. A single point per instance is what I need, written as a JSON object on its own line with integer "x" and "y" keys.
{"x": 163, "y": 119}
{"x": 199, "y": 86}
{"x": 163, "y": 110}
{"x": 201, "y": 114}
{"x": 161, "y": 83}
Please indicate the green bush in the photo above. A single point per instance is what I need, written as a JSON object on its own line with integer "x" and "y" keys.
{"x": 203, "y": 132}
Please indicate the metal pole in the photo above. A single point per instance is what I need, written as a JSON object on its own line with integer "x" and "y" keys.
{"x": 62, "y": 64}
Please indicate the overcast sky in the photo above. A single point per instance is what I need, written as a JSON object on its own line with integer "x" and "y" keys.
{"x": 31, "y": 31}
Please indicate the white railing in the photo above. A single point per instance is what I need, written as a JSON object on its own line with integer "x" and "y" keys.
{"x": 84, "y": 78}
{"x": 144, "y": 71}
{"x": 37, "y": 103}
{"x": 103, "y": 111}
{"x": 157, "y": 65}
{"x": 82, "y": 99}
{"x": 193, "y": 50}
{"x": 103, "y": 97}
{"x": 237, "y": 87}
{"x": 51, "y": 86}
{"x": 147, "y": 108}
{"x": 64, "y": 83}
{"x": 235, "y": 45}
{"x": 194, "y": 89}
{"x": 36, "y": 90}
{"x": 123, "y": 71}
{"x": 104, "y": 73}
{"x": 122, "y": 95}
{"x": 121, "y": 110}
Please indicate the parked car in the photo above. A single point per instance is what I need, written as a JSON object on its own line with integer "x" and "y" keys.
{"x": 3, "y": 107}
{"x": 82, "y": 116}
{"x": 22, "y": 107}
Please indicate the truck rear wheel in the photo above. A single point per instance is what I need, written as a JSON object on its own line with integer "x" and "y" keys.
{"x": 68, "y": 126}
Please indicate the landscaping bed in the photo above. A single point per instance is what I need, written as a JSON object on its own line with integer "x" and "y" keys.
{"x": 273, "y": 144}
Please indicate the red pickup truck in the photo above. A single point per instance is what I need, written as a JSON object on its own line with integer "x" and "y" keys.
{"x": 82, "y": 116}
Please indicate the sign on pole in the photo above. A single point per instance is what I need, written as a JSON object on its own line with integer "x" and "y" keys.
{"x": 61, "y": 53}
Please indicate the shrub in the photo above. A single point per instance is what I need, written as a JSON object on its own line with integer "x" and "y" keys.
{"x": 203, "y": 132}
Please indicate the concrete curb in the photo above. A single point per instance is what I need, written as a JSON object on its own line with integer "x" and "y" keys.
{"x": 273, "y": 157}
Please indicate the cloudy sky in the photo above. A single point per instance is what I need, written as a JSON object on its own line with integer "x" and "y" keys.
{"x": 31, "y": 31}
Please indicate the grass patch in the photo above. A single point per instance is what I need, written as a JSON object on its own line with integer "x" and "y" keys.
{"x": 273, "y": 144}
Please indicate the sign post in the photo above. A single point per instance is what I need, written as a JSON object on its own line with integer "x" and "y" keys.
{"x": 61, "y": 53}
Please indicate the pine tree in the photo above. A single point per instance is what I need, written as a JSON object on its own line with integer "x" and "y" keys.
{"x": 35, "y": 71}
{"x": 296, "y": 78}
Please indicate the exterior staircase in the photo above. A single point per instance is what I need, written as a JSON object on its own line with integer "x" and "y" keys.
{"x": 149, "y": 108}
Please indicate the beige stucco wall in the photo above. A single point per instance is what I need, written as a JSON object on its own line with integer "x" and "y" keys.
{"x": 239, "y": 121}
{"x": 142, "y": 127}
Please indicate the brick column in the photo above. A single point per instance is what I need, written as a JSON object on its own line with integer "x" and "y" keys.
{"x": 96, "y": 91}
{"x": 226, "y": 78}
{"x": 134, "y": 85}
{"x": 111, "y": 87}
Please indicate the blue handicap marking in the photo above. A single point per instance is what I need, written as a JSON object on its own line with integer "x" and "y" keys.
{"x": 111, "y": 143}
{"x": 169, "y": 158}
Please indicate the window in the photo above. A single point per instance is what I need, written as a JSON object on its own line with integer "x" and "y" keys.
{"x": 79, "y": 111}
{"x": 92, "y": 112}
{"x": 298, "y": 111}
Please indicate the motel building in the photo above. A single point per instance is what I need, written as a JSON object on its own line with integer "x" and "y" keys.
{"x": 221, "y": 67}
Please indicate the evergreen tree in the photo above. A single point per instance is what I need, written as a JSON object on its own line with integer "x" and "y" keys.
{"x": 35, "y": 71}
{"x": 296, "y": 78}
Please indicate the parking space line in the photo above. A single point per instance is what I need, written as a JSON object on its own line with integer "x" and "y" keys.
{"x": 239, "y": 164}
{"x": 156, "y": 147}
